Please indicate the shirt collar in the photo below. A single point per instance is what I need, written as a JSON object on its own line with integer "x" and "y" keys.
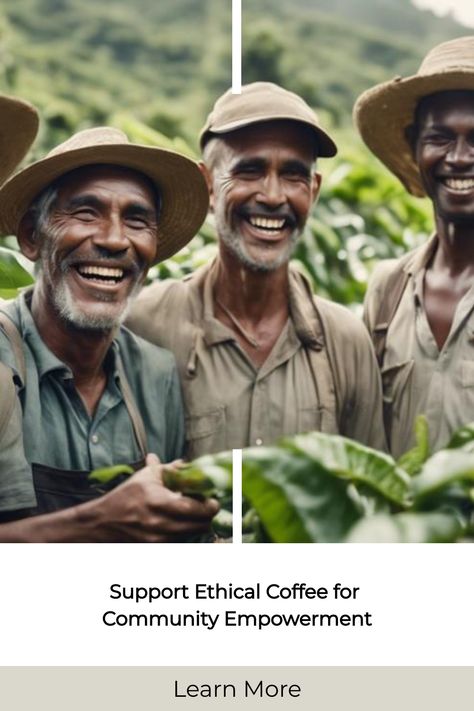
{"x": 45, "y": 360}
{"x": 421, "y": 256}
{"x": 301, "y": 300}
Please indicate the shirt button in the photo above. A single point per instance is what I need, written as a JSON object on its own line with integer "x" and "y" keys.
{"x": 258, "y": 441}
{"x": 94, "y": 439}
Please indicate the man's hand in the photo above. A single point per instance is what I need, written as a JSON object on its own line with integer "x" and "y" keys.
{"x": 143, "y": 510}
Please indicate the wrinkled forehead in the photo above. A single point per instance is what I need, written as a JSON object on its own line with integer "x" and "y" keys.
{"x": 291, "y": 137}
{"x": 95, "y": 177}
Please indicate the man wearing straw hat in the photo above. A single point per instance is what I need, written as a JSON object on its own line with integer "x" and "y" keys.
{"x": 420, "y": 309}
{"x": 94, "y": 215}
{"x": 259, "y": 356}
{"x": 18, "y": 128}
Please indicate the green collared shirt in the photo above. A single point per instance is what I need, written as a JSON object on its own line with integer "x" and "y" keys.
{"x": 58, "y": 431}
{"x": 320, "y": 375}
{"x": 418, "y": 378}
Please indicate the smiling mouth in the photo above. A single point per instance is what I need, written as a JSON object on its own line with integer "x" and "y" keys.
{"x": 268, "y": 225}
{"x": 460, "y": 185}
{"x": 101, "y": 275}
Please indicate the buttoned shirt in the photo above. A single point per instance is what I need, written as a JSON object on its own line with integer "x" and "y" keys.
{"x": 418, "y": 377}
{"x": 16, "y": 485}
{"x": 59, "y": 432}
{"x": 320, "y": 375}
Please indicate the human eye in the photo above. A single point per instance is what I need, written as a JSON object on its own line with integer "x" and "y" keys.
{"x": 138, "y": 221}
{"x": 436, "y": 138}
{"x": 84, "y": 213}
{"x": 296, "y": 172}
{"x": 248, "y": 171}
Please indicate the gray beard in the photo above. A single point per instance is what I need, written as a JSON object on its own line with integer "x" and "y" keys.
{"x": 68, "y": 311}
{"x": 63, "y": 301}
{"x": 231, "y": 238}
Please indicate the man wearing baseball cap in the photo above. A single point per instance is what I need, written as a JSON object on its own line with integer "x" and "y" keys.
{"x": 420, "y": 308}
{"x": 94, "y": 215}
{"x": 259, "y": 356}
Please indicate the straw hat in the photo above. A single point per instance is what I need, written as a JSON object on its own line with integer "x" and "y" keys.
{"x": 184, "y": 195}
{"x": 259, "y": 102}
{"x": 18, "y": 128}
{"x": 384, "y": 112}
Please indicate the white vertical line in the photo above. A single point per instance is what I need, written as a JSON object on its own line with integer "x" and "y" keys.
{"x": 236, "y": 46}
{"x": 237, "y": 496}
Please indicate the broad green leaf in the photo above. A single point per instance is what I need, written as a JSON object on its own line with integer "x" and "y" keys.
{"x": 12, "y": 274}
{"x": 107, "y": 474}
{"x": 413, "y": 460}
{"x": 297, "y": 501}
{"x": 442, "y": 469}
{"x": 356, "y": 462}
{"x": 407, "y": 528}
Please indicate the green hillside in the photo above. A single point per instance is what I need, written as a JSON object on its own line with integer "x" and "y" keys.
{"x": 164, "y": 62}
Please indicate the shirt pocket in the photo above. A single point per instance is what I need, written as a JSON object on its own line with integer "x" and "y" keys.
{"x": 205, "y": 432}
{"x": 396, "y": 401}
{"x": 317, "y": 419}
{"x": 467, "y": 373}
{"x": 309, "y": 420}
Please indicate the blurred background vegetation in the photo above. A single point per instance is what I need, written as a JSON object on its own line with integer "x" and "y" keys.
{"x": 155, "y": 69}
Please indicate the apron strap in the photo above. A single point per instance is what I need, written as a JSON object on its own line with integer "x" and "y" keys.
{"x": 135, "y": 416}
{"x": 16, "y": 342}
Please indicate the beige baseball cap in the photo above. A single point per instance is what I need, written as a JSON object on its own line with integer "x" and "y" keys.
{"x": 259, "y": 102}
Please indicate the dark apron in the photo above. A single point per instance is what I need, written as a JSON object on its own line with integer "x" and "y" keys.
{"x": 61, "y": 488}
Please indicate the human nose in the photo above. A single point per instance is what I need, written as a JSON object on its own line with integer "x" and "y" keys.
{"x": 113, "y": 235}
{"x": 272, "y": 192}
{"x": 461, "y": 153}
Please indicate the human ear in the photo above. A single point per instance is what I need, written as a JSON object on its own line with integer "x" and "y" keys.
{"x": 27, "y": 240}
{"x": 209, "y": 182}
{"x": 315, "y": 186}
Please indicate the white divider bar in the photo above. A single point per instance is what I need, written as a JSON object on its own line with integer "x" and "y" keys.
{"x": 237, "y": 496}
{"x": 236, "y": 46}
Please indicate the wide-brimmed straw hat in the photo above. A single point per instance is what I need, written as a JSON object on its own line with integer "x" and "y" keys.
{"x": 18, "y": 128}
{"x": 259, "y": 102}
{"x": 383, "y": 113}
{"x": 183, "y": 190}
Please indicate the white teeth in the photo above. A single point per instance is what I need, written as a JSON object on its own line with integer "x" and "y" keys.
{"x": 459, "y": 183}
{"x": 267, "y": 223}
{"x": 111, "y": 272}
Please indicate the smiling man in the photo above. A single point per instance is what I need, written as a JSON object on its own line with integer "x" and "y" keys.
{"x": 420, "y": 309}
{"x": 18, "y": 127}
{"x": 259, "y": 356}
{"x": 94, "y": 215}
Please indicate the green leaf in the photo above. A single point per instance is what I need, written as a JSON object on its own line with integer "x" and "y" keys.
{"x": 12, "y": 274}
{"x": 442, "y": 469}
{"x": 107, "y": 474}
{"x": 407, "y": 528}
{"x": 356, "y": 462}
{"x": 297, "y": 501}
{"x": 206, "y": 476}
{"x": 222, "y": 523}
{"x": 462, "y": 437}
{"x": 413, "y": 460}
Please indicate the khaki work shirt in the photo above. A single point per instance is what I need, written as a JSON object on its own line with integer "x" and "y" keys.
{"x": 417, "y": 377}
{"x": 320, "y": 375}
